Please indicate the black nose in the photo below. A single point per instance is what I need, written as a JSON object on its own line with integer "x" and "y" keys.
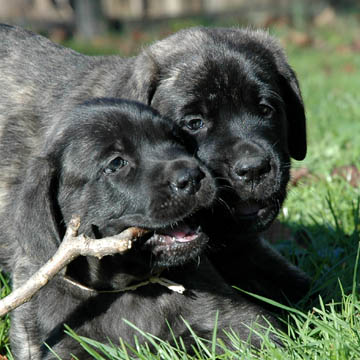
{"x": 252, "y": 168}
{"x": 187, "y": 180}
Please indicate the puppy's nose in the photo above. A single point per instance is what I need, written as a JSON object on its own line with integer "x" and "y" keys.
{"x": 252, "y": 168}
{"x": 187, "y": 180}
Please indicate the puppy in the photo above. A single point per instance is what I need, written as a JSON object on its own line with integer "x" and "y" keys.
{"x": 231, "y": 90}
{"x": 116, "y": 164}
{"x": 234, "y": 92}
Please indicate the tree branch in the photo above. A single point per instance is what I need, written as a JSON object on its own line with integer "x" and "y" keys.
{"x": 71, "y": 247}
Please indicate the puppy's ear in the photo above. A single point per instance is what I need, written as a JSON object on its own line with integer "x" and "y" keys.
{"x": 295, "y": 112}
{"x": 37, "y": 214}
{"x": 291, "y": 93}
{"x": 144, "y": 78}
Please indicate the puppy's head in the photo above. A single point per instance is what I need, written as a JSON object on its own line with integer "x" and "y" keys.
{"x": 233, "y": 91}
{"x": 118, "y": 164}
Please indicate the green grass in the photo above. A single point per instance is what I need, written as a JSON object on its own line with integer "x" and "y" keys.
{"x": 4, "y": 322}
{"x": 323, "y": 209}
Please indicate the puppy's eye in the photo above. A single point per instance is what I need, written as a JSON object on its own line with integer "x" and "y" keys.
{"x": 194, "y": 124}
{"x": 115, "y": 165}
{"x": 266, "y": 110}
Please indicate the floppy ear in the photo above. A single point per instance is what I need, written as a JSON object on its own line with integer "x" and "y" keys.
{"x": 295, "y": 114}
{"x": 143, "y": 81}
{"x": 37, "y": 215}
{"x": 289, "y": 85}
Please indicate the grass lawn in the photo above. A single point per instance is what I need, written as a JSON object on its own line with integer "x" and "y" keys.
{"x": 321, "y": 211}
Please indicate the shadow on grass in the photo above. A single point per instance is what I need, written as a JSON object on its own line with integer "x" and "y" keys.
{"x": 325, "y": 252}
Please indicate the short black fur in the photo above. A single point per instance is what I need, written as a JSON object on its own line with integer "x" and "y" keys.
{"x": 115, "y": 164}
{"x": 231, "y": 90}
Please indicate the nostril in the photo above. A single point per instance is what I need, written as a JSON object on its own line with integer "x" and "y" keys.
{"x": 265, "y": 169}
{"x": 243, "y": 170}
{"x": 188, "y": 179}
{"x": 252, "y": 168}
{"x": 183, "y": 181}
{"x": 197, "y": 174}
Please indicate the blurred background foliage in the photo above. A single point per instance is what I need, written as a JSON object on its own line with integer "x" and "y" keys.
{"x": 121, "y": 26}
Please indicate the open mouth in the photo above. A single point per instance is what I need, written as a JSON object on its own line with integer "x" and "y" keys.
{"x": 176, "y": 243}
{"x": 180, "y": 234}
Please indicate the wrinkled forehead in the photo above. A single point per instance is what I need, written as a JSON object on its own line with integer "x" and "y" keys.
{"x": 227, "y": 76}
{"x": 119, "y": 133}
{"x": 95, "y": 137}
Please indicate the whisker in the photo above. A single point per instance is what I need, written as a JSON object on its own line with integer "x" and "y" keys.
{"x": 226, "y": 206}
{"x": 286, "y": 166}
{"x": 275, "y": 143}
{"x": 226, "y": 187}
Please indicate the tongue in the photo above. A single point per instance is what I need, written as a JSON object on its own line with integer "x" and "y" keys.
{"x": 186, "y": 238}
{"x": 181, "y": 232}
{"x": 178, "y": 234}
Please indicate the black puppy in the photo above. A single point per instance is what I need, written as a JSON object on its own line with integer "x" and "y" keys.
{"x": 235, "y": 93}
{"x": 116, "y": 164}
{"x": 231, "y": 89}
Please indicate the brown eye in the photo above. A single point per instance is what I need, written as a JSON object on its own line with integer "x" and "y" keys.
{"x": 266, "y": 110}
{"x": 115, "y": 165}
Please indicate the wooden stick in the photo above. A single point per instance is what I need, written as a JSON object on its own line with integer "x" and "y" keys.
{"x": 71, "y": 247}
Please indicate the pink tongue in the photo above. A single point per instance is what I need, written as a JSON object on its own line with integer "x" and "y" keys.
{"x": 249, "y": 209}
{"x": 178, "y": 234}
{"x": 186, "y": 238}
{"x": 182, "y": 234}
